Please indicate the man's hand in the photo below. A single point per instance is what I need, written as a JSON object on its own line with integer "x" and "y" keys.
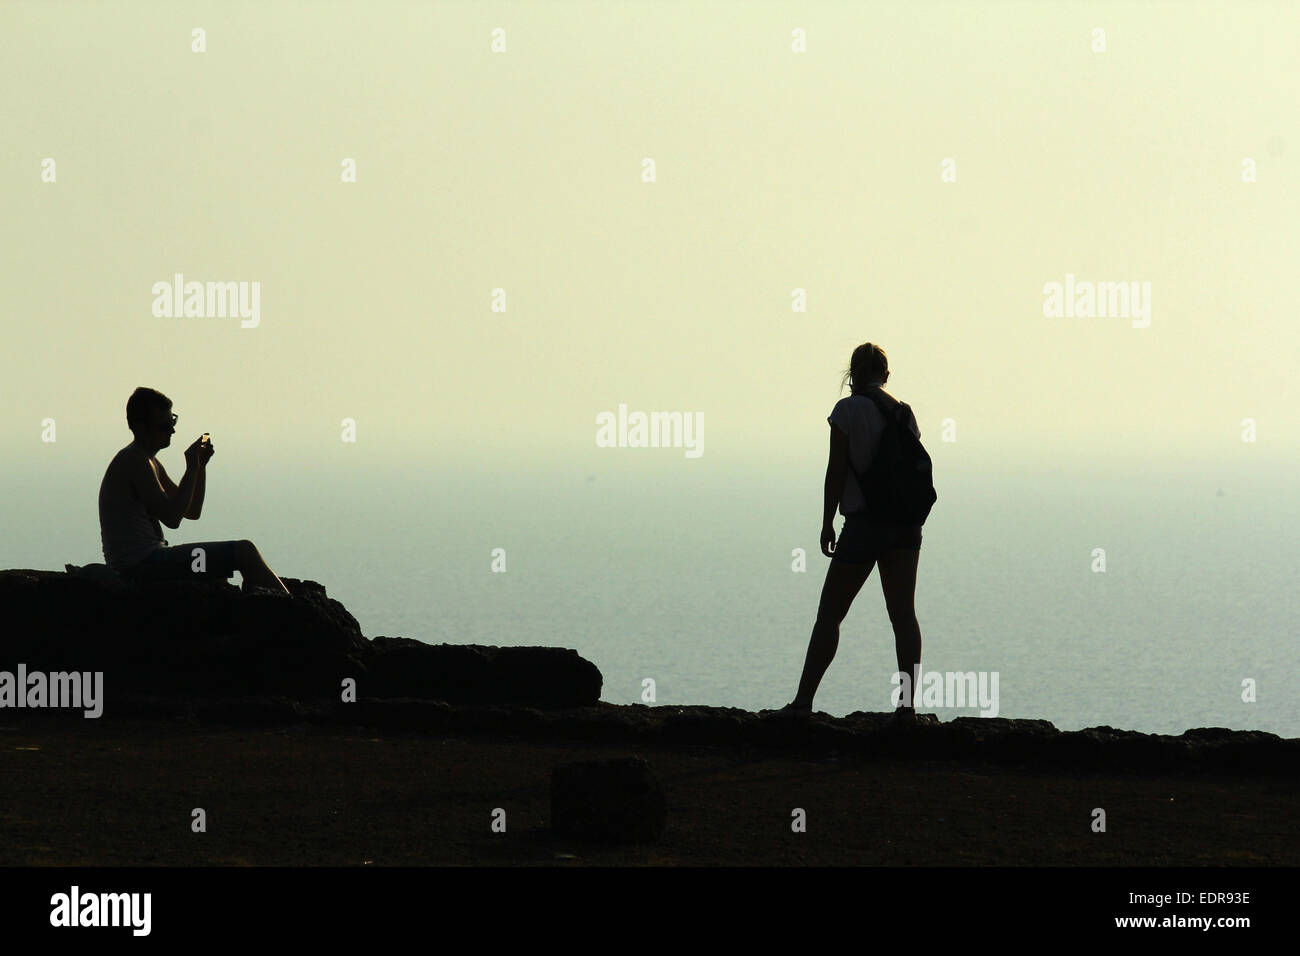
{"x": 208, "y": 452}
{"x": 194, "y": 455}
{"x": 828, "y": 540}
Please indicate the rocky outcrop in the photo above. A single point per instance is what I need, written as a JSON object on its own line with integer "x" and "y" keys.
{"x": 475, "y": 674}
{"x": 974, "y": 740}
{"x": 208, "y": 653}
{"x": 202, "y": 639}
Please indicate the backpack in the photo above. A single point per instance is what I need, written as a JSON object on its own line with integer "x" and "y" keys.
{"x": 899, "y": 484}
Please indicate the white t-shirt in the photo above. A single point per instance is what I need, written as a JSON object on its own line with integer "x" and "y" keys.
{"x": 859, "y": 418}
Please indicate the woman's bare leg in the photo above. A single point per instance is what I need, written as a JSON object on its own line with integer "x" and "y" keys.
{"x": 843, "y": 582}
{"x": 898, "y": 582}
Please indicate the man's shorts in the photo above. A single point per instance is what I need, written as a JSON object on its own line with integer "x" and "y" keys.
{"x": 863, "y": 541}
{"x": 177, "y": 562}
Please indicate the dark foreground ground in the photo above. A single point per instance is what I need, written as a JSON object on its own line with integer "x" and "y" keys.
{"x": 123, "y": 793}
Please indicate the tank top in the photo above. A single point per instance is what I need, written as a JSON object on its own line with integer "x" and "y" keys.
{"x": 128, "y": 533}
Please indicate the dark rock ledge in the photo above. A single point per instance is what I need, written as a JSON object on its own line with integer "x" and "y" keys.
{"x": 1020, "y": 743}
{"x": 208, "y": 653}
{"x": 199, "y": 639}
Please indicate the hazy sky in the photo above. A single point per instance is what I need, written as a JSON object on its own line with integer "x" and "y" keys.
{"x": 774, "y": 171}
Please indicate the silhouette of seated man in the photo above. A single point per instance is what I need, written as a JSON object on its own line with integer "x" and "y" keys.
{"x": 137, "y": 493}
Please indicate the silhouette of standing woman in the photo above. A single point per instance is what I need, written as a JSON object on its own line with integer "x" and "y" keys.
{"x": 856, "y": 426}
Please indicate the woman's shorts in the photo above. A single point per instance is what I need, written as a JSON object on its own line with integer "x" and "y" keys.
{"x": 863, "y": 541}
{"x": 177, "y": 562}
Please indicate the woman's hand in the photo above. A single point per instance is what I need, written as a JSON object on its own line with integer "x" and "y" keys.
{"x": 828, "y": 540}
{"x": 208, "y": 452}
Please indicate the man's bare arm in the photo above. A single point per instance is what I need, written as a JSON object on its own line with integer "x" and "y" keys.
{"x": 196, "y": 505}
{"x": 167, "y": 505}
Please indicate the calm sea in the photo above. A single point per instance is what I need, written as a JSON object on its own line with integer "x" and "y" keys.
{"x": 686, "y": 578}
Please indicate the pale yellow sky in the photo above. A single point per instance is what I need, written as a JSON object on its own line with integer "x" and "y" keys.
{"x": 775, "y": 171}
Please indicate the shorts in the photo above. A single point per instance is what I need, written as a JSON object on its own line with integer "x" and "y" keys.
{"x": 863, "y": 541}
{"x": 176, "y": 562}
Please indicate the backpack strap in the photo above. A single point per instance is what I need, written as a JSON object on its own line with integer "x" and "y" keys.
{"x": 890, "y": 416}
{"x": 882, "y": 402}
